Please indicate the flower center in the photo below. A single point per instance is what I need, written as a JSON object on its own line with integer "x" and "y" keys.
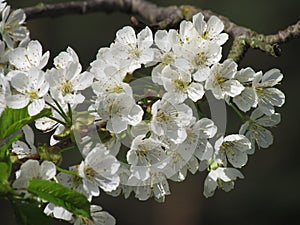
{"x": 67, "y": 88}
{"x": 228, "y": 146}
{"x": 180, "y": 84}
{"x": 32, "y": 95}
{"x": 200, "y": 58}
{"x": 136, "y": 54}
{"x": 168, "y": 58}
{"x": 89, "y": 172}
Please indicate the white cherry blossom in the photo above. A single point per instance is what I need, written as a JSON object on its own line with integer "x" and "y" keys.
{"x": 211, "y": 30}
{"x": 156, "y": 185}
{"x": 247, "y": 98}
{"x": 11, "y": 26}
{"x": 22, "y": 149}
{"x": 136, "y": 50}
{"x": 75, "y": 182}
{"x": 32, "y": 169}
{"x": 67, "y": 83}
{"x": 31, "y": 88}
{"x": 170, "y": 120}
{"x": 106, "y": 58}
{"x": 2, "y": 5}
{"x": 144, "y": 154}
{"x": 267, "y": 95}
{"x": 58, "y": 212}
{"x": 64, "y": 58}
{"x": 99, "y": 169}
{"x": 165, "y": 42}
{"x": 4, "y": 91}
{"x": 26, "y": 58}
{"x": 222, "y": 82}
{"x": 233, "y": 148}
{"x": 184, "y": 156}
{"x": 197, "y": 58}
{"x": 109, "y": 81}
{"x": 99, "y": 217}
{"x": 221, "y": 177}
{"x": 120, "y": 110}
{"x": 255, "y": 129}
{"x": 179, "y": 85}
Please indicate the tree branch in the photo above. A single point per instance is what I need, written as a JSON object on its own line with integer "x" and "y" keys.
{"x": 168, "y": 17}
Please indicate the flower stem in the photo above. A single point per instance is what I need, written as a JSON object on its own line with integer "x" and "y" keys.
{"x": 57, "y": 110}
{"x": 238, "y": 112}
{"x": 57, "y": 120}
{"x": 67, "y": 171}
{"x": 67, "y": 149}
{"x": 70, "y": 112}
{"x": 61, "y": 110}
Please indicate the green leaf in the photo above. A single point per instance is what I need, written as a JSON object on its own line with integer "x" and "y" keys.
{"x": 4, "y": 171}
{"x": 29, "y": 214}
{"x": 5, "y": 163}
{"x": 59, "y": 195}
{"x": 12, "y": 120}
{"x": 4, "y": 148}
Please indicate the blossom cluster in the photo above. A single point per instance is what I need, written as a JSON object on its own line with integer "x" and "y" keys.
{"x": 168, "y": 136}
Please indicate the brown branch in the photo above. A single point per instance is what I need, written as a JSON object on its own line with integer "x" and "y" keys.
{"x": 167, "y": 17}
{"x": 285, "y": 35}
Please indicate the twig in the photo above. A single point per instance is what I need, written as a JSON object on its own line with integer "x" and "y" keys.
{"x": 167, "y": 17}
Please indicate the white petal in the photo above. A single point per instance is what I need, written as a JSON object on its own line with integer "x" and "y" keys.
{"x": 161, "y": 40}
{"x": 36, "y": 107}
{"x": 205, "y": 128}
{"x": 17, "y": 101}
{"x": 17, "y": 59}
{"x": 199, "y": 23}
{"x": 83, "y": 81}
{"x": 20, "y": 82}
{"x": 30, "y": 169}
{"x": 21, "y": 149}
{"x": 246, "y": 99}
{"x": 29, "y": 136}
{"x": 34, "y": 53}
{"x": 209, "y": 187}
{"x": 47, "y": 170}
{"x": 229, "y": 69}
{"x": 91, "y": 188}
{"x": 214, "y": 26}
{"x": 135, "y": 115}
{"x": 44, "y": 60}
{"x": 140, "y": 172}
{"x": 108, "y": 183}
{"x": 237, "y": 158}
{"x": 245, "y": 75}
{"x": 126, "y": 36}
{"x": 195, "y": 91}
{"x": 116, "y": 125}
{"x": 271, "y": 78}
{"x": 232, "y": 88}
{"x": 269, "y": 121}
{"x": 201, "y": 74}
{"x": 156, "y": 74}
{"x": 145, "y": 38}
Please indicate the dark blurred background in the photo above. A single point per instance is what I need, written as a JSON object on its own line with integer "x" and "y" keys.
{"x": 270, "y": 193}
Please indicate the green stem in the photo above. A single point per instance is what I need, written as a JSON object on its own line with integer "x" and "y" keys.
{"x": 70, "y": 113}
{"x": 62, "y": 111}
{"x": 57, "y": 110}
{"x": 238, "y": 112}
{"x": 67, "y": 149}
{"x": 67, "y": 171}
{"x": 57, "y": 120}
